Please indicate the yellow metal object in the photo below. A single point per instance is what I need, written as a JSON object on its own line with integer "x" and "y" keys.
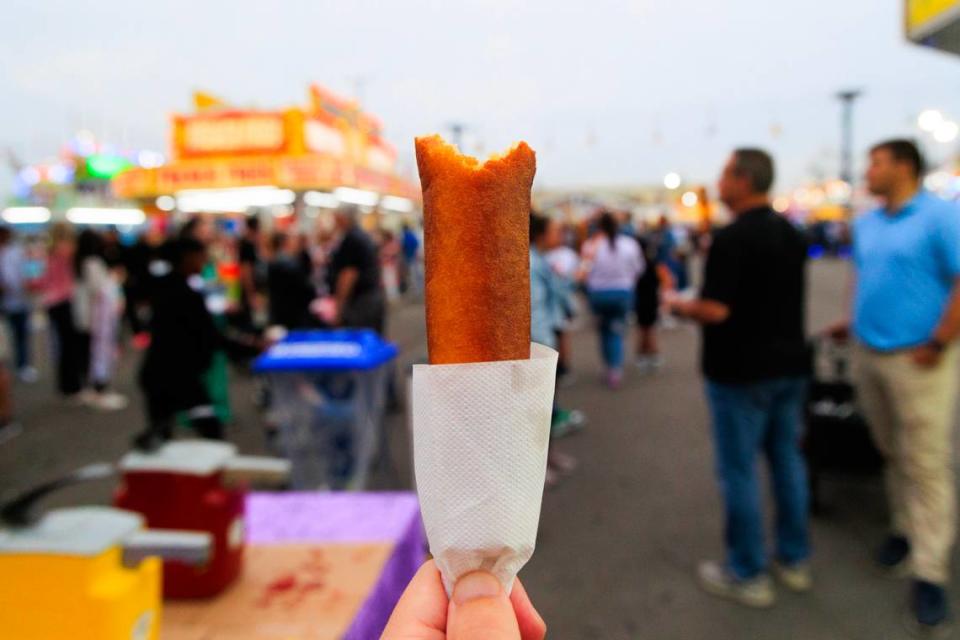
{"x": 69, "y": 597}
{"x": 926, "y": 16}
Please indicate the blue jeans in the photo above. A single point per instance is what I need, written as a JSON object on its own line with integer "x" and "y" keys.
{"x": 611, "y": 308}
{"x": 20, "y": 331}
{"x": 749, "y": 418}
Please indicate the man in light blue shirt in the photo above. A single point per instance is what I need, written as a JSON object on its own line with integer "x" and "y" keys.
{"x": 907, "y": 263}
{"x": 906, "y": 317}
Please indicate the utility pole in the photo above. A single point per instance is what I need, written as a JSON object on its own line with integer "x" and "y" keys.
{"x": 359, "y": 82}
{"x": 847, "y": 99}
{"x": 457, "y": 130}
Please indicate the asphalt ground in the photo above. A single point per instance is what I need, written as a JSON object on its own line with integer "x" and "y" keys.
{"x": 620, "y": 538}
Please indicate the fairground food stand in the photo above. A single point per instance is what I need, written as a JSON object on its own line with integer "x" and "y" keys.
{"x": 291, "y": 162}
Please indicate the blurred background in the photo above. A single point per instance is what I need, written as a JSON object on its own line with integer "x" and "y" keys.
{"x": 266, "y": 134}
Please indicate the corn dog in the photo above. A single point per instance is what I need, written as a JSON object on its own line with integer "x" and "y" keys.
{"x": 476, "y": 243}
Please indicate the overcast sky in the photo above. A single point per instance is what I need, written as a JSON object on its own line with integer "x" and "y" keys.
{"x": 606, "y": 92}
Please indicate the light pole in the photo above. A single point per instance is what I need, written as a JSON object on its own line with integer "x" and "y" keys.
{"x": 847, "y": 99}
{"x": 457, "y": 130}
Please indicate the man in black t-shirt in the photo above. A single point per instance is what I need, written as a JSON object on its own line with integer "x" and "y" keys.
{"x": 288, "y": 285}
{"x": 144, "y": 264}
{"x": 251, "y": 267}
{"x": 755, "y": 363}
{"x": 353, "y": 276}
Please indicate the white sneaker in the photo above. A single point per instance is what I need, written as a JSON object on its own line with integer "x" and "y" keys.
{"x": 757, "y": 592}
{"x": 797, "y": 577}
{"x": 108, "y": 401}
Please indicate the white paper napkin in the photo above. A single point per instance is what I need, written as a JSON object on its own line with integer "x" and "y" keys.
{"x": 480, "y": 436}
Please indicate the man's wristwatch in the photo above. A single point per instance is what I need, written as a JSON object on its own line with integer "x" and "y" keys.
{"x": 937, "y": 345}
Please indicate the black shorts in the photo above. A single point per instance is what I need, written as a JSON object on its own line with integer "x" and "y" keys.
{"x": 647, "y": 308}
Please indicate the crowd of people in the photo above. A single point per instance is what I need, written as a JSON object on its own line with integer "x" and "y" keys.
{"x": 904, "y": 319}
{"x": 195, "y": 296}
{"x": 619, "y": 270}
{"x": 192, "y": 297}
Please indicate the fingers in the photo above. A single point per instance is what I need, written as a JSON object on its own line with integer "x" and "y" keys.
{"x": 421, "y": 613}
{"x": 532, "y": 626}
{"x": 480, "y": 609}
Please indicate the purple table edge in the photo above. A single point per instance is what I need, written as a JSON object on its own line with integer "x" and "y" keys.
{"x": 394, "y": 517}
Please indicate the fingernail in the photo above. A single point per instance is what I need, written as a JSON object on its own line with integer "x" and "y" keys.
{"x": 478, "y": 584}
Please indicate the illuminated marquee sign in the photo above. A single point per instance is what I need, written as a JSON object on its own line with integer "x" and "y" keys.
{"x": 323, "y": 138}
{"x": 231, "y": 134}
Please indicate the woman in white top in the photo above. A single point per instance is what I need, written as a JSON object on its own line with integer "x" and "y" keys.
{"x": 96, "y": 307}
{"x": 612, "y": 263}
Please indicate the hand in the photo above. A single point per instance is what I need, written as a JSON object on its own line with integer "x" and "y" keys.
{"x": 479, "y": 610}
{"x": 678, "y": 306}
{"x": 926, "y": 357}
{"x": 327, "y": 309}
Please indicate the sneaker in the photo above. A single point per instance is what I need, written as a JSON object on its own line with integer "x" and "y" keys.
{"x": 614, "y": 378}
{"x": 561, "y": 462}
{"x": 73, "y": 399}
{"x": 893, "y": 555}
{"x": 796, "y": 577}
{"x": 756, "y": 592}
{"x": 567, "y": 422}
{"x": 931, "y": 613}
{"x": 108, "y": 401}
{"x": 9, "y": 430}
{"x": 28, "y": 375}
{"x": 148, "y": 441}
{"x": 551, "y": 479}
{"x": 648, "y": 364}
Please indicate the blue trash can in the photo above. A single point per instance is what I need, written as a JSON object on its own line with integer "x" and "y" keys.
{"x": 328, "y": 393}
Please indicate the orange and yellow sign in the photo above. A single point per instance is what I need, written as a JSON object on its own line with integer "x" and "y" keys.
{"x": 230, "y": 133}
{"x": 331, "y": 143}
{"x": 300, "y": 173}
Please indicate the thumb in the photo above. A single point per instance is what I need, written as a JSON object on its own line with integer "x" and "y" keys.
{"x": 480, "y": 610}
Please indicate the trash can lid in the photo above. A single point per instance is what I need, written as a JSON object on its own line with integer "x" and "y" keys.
{"x": 339, "y": 350}
{"x": 75, "y": 531}
{"x": 187, "y": 457}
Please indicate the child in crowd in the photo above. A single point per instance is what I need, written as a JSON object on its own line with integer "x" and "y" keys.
{"x": 184, "y": 340}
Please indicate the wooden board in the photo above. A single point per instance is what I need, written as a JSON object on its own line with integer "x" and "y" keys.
{"x": 287, "y": 592}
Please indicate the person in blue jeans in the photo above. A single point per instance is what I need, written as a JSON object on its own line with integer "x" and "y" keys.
{"x": 756, "y": 363}
{"x": 613, "y": 263}
{"x": 15, "y": 302}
